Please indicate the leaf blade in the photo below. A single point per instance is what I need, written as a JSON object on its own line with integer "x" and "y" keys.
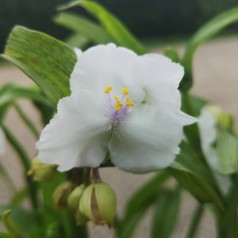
{"x": 49, "y": 66}
{"x": 111, "y": 24}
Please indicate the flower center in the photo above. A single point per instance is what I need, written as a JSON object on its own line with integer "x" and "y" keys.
{"x": 119, "y": 107}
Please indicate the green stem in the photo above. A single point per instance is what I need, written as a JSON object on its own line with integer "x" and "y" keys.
{"x": 27, "y": 120}
{"x": 195, "y": 221}
{"x": 32, "y": 187}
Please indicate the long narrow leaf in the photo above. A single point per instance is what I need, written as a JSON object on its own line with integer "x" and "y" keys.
{"x": 28, "y": 122}
{"x": 206, "y": 32}
{"x": 146, "y": 194}
{"x": 165, "y": 214}
{"x": 227, "y": 147}
{"x": 45, "y": 60}
{"x": 192, "y": 174}
{"x": 84, "y": 27}
{"x": 111, "y": 24}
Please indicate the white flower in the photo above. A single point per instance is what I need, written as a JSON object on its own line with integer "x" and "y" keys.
{"x": 207, "y": 124}
{"x": 2, "y": 142}
{"x": 121, "y": 103}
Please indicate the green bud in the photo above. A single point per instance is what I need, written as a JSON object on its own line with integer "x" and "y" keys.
{"x": 41, "y": 172}
{"x": 74, "y": 197}
{"x": 73, "y": 204}
{"x": 224, "y": 119}
{"x": 98, "y": 204}
{"x": 81, "y": 219}
{"x": 61, "y": 193}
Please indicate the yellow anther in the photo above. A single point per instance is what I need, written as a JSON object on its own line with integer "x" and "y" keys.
{"x": 125, "y": 91}
{"x": 108, "y": 89}
{"x": 129, "y": 103}
{"x": 118, "y": 106}
{"x": 117, "y": 99}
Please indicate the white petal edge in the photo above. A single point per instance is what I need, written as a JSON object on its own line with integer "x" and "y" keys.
{"x": 76, "y": 136}
{"x": 148, "y": 141}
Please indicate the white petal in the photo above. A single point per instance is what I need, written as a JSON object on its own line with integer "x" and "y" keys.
{"x": 147, "y": 141}
{"x": 2, "y": 142}
{"x": 161, "y": 79}
{"x": 76, "y": 136}
{"x": 207, "y": 128}
{"x": 105, "y": 65}
{"x": 185, "y": 119}
{"x": 77, "y": 52}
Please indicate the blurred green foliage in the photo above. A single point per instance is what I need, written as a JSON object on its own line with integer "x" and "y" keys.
{"x": 145, "y": 18}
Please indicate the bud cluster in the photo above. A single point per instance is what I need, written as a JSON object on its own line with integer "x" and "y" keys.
{"x": 95, "y": 202}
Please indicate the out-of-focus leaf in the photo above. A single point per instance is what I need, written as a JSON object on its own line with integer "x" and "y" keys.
{"x": 19, "y": 196}
{"x": 28, "y": 122}
{"x": 119, "y": 33}
{"x": 6, "y": 178}
{"x": 11, "y": 92}
{"x": 206, "y": 32}
{"x": 12, "y": 225}
{"x": 5, "y": 235}
{"x": 137, "y": 205}
{"x": 47, "y": 61}
{"x": 172, "y": 54}
{"x": 227, "y": 148}
{"x": 165, "y": 214}
{"x": 195, "y": 104}
{"x": 146, "y": 194}
{"x": 192, "y": 174}
{"x": 127, "y": 227}
{"x": 77, "y": 40}
{"x": 84, "y": 27}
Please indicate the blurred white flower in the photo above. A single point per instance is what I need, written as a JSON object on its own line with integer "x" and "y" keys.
{"x": 2, "y": 142}
{"x": 121, "y": 103}
{"x": 207, "y": 123}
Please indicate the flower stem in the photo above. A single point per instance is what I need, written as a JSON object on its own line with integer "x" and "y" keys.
{"x": 86, "y": 179}
{"x": 96, "y": 175}
{"x": 195, "y": 221}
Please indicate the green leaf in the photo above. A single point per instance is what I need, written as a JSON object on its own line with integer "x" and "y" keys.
{"x": 146, "y": 194}
{"x": 227, "y": 148}
{"x": 77, "y": 40}
{"x": 47, "y": 61}
{"x": 19, "y": 196}
{"x": 5, "y": 235}
{"x": 127, "y": 227}
{"x": 165, "y": 214}
{"x": 206, "y": 32}
{"x": 28, "y": 122}
{"x": 119, "y": 33}
{"x": 6, "y": 178}
{"x": 172, "y": 53}
{"x": 11, "y": 226}
{"x": 84, "y": 27}
{"x": 11, "y": 92}
{"x": 193, "y": 175}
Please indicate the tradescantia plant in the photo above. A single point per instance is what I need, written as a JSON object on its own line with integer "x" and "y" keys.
{"x": 112, "y": 103}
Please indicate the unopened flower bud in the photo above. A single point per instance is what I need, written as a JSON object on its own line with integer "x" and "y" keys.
{"x": 41, "y": 172}
{"x": 98, "y": 203}
{"x": 74, "y": 197}
{"x": 224, "y": 119}
{"x": 73, "y": 204}
{"x": 61, "y": 193}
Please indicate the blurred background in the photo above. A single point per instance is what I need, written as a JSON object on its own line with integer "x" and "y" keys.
{"x": 145, "y": 18}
